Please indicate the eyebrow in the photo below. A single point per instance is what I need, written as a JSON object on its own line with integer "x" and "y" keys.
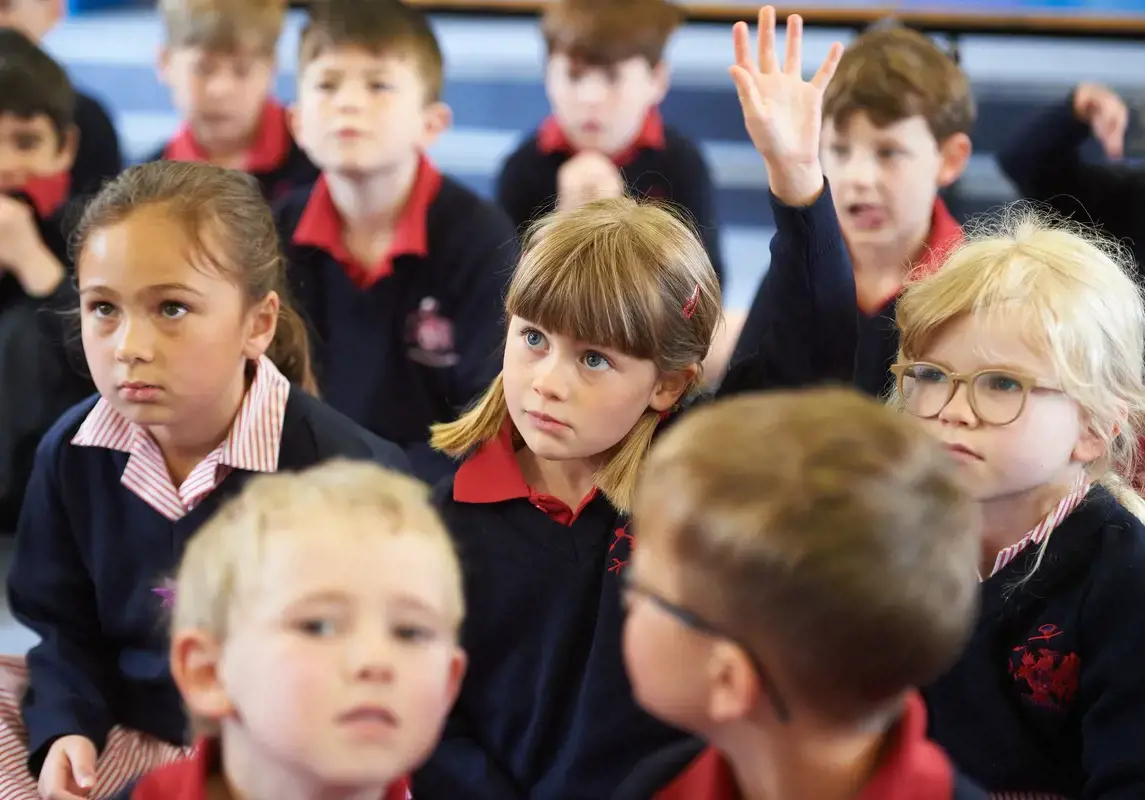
{"x": 159, "y": 288}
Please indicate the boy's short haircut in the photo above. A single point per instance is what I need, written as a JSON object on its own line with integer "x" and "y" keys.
{"x": 223, "y": 26}
{"x": 381, "y": 27}
{"x": 602, "y": 33}
{"x": 893, "y": 73}
{"x": 825, "y": 532}
{"x": 33, "y": 83}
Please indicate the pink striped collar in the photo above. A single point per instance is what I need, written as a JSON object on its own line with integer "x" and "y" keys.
{"x": 1040, "y": 532}
{"x": 253, "y": 444}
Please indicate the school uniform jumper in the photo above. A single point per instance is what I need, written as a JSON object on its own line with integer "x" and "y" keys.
{"x": 103, "y": 527}
{"x": 813, "y": 250}
{"x": 1046, "y": 163}
{"x": 34, "y": 354}
{"x": 98, "y": 158}
{"x": 1048, "y": 700}
{"x": 912, "y": 768}
{"x": 189, "y": 778}
{"x": 275, "y": 159}
{"x": 660, "y": 164}
{"x": 546, "y": 711}
{"x": 413, "y": 340}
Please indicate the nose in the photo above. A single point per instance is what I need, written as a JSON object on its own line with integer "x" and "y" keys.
{"x": 550, "y": 379}
{"x": 591, "y": 89}
{"x": 958, "y": 410}
{"x": 350, "y": 96}
{"x": 371, "y": 657}
{"x": 135, "y": 342}
{"x": 221, "y": 83}
{"x": 860, "y": 169}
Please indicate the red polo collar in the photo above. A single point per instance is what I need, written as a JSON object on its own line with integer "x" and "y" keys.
{"x": 945, "y": 234}
{"x": 551, "y": 138}
{"x": 912, "y": 768}
{"x": 321, "y": 226}
{"x": 492, "y": 475}
{"x": 48, "y": 194}
{"x": 268, "y": 150}
{"x": 186, "y": 779}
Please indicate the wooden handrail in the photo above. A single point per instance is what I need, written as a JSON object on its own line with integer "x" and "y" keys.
{"x": 940, "y": 17}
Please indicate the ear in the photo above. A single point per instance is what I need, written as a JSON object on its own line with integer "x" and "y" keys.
{"x": 1091, "y": 445}
{"x": 292, "y": 120}
{"x": 438, "y": 117}
{"x": 195, "y": 667}
{"x": 163, "y": 64}
{"x": 954, "y": 154}
{"x": 458, "y": 663}
{"x": 66, "y": 155}
{"x": 735, "y": 686}
{"x": 55, "y": 12}
{"x": 671, "y": 386}
{"x": 661, "y": 82}
{"x": 263, "y": 320}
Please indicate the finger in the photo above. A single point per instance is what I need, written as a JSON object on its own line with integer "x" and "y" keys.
{"x": 793, "y": 63}
{"x": 768, "y": 62}
{"x": 82, "y": 766}
{"x": 741, "y": 36}
{"x": 745, "y": 87}
{"x": 827, "y": 69}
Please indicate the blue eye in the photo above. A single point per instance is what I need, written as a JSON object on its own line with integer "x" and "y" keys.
{"x": 173, "y": 310}
{"x": 532, "y": 337}
{"x": 595, "y": 361}
{"x": 316, "y": 627}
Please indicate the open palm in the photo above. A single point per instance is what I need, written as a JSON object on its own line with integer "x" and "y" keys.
{"x": 783, "y": 113}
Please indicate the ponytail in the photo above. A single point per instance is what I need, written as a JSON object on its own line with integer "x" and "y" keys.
{"x": 290, "y": 349}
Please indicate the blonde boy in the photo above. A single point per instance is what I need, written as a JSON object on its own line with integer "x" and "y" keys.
{"x": 802, "y": 561}
{"x": 314, "y": 639}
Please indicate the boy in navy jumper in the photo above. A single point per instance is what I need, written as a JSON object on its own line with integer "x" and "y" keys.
{"x": 805, "y": 560}
{"x": 97, "y": 155}
{"x": 193, "y": 346}
{"x": 400, "y": 270}
{"x": 358, "y": 580}
{"x": 605, "y": 76}
{"x": 611, "y": 312}
{"x": 218, "y": 59}
{"x": 895, "y": 130}
{"x": 1045, "y": 161}
{"x": 37, "y": 148}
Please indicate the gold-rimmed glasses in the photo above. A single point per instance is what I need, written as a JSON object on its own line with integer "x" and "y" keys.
{"x": 996, "y": 396}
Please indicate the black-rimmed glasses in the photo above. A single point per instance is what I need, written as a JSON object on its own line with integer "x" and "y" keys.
{"x": 698, "y": 623}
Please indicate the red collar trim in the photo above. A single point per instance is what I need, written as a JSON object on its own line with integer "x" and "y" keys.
{"x": 269, "y": 147}
{"x": 551, "y": 138}
{"x": 48, "y": 194}
{"x": 913, "y": 767}
{"x": 492, "y": 475}
{"x": 321, "y": 226}
{"x": 945, "y": 235}
{"x": 186, "y": 779}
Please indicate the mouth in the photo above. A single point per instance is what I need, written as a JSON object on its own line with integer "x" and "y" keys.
{"x": 348, "y": 133}
{"x": 867, "y": 216}
{"x": 545, "y": 422}
{"x": 369, "y": 716}
{"x": 962, "y": 451}
{"x": 139, "y": 392}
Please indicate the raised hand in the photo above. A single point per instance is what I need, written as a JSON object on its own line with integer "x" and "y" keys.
{"x": 1105, "y": 113}
{"x": 782, "y": 112}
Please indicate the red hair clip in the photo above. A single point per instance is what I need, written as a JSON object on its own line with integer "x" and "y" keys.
{"x": 693, "y": 301}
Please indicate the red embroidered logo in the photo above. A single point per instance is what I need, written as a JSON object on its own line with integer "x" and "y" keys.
{"x": 431, "y": 336}
{"x": 1050, "y": 677}
{"x": 622, "y": 539}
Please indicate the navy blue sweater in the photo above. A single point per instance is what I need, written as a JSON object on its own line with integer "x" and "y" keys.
{"x": 88, "y": 554}
{"x": 1050, "y": 694}
{"x": 1045, "y": 161}
{"x": 98, "y": 158}
{"x": 546, "y": 711}
{"x": 370, "y": 363}
{"x": 803, "y": 327}
{"x": 677, "y": 173}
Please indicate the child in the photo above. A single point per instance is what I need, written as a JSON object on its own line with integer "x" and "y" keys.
{"x": 97, "y": 156}
{"x": 1045, "y": 162}
{"x": 605, "y": 78}
{"x": 37, "y": 148}
{"x": 895, "y": 130}
{"x": 218, "y": 59}
{"x": 1023, "y": 356}
{"x": 400, "y": 270}
{"x": 805, "y": 559}
{"x": 611, "y": 312}
{"x": 342, "y": 584}
{"x": 193, "y": 345}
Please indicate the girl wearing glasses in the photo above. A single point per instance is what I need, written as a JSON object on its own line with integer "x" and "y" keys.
{"x": 1023, "y": 355}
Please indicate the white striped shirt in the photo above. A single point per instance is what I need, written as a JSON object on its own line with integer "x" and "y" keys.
{"x": 252, "y": 444}
{"x": 1043, "y": 529}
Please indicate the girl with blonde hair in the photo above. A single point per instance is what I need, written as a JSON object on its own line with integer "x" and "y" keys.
{"x": 610, "y": 314}
{"x": 1024, "y": 356}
